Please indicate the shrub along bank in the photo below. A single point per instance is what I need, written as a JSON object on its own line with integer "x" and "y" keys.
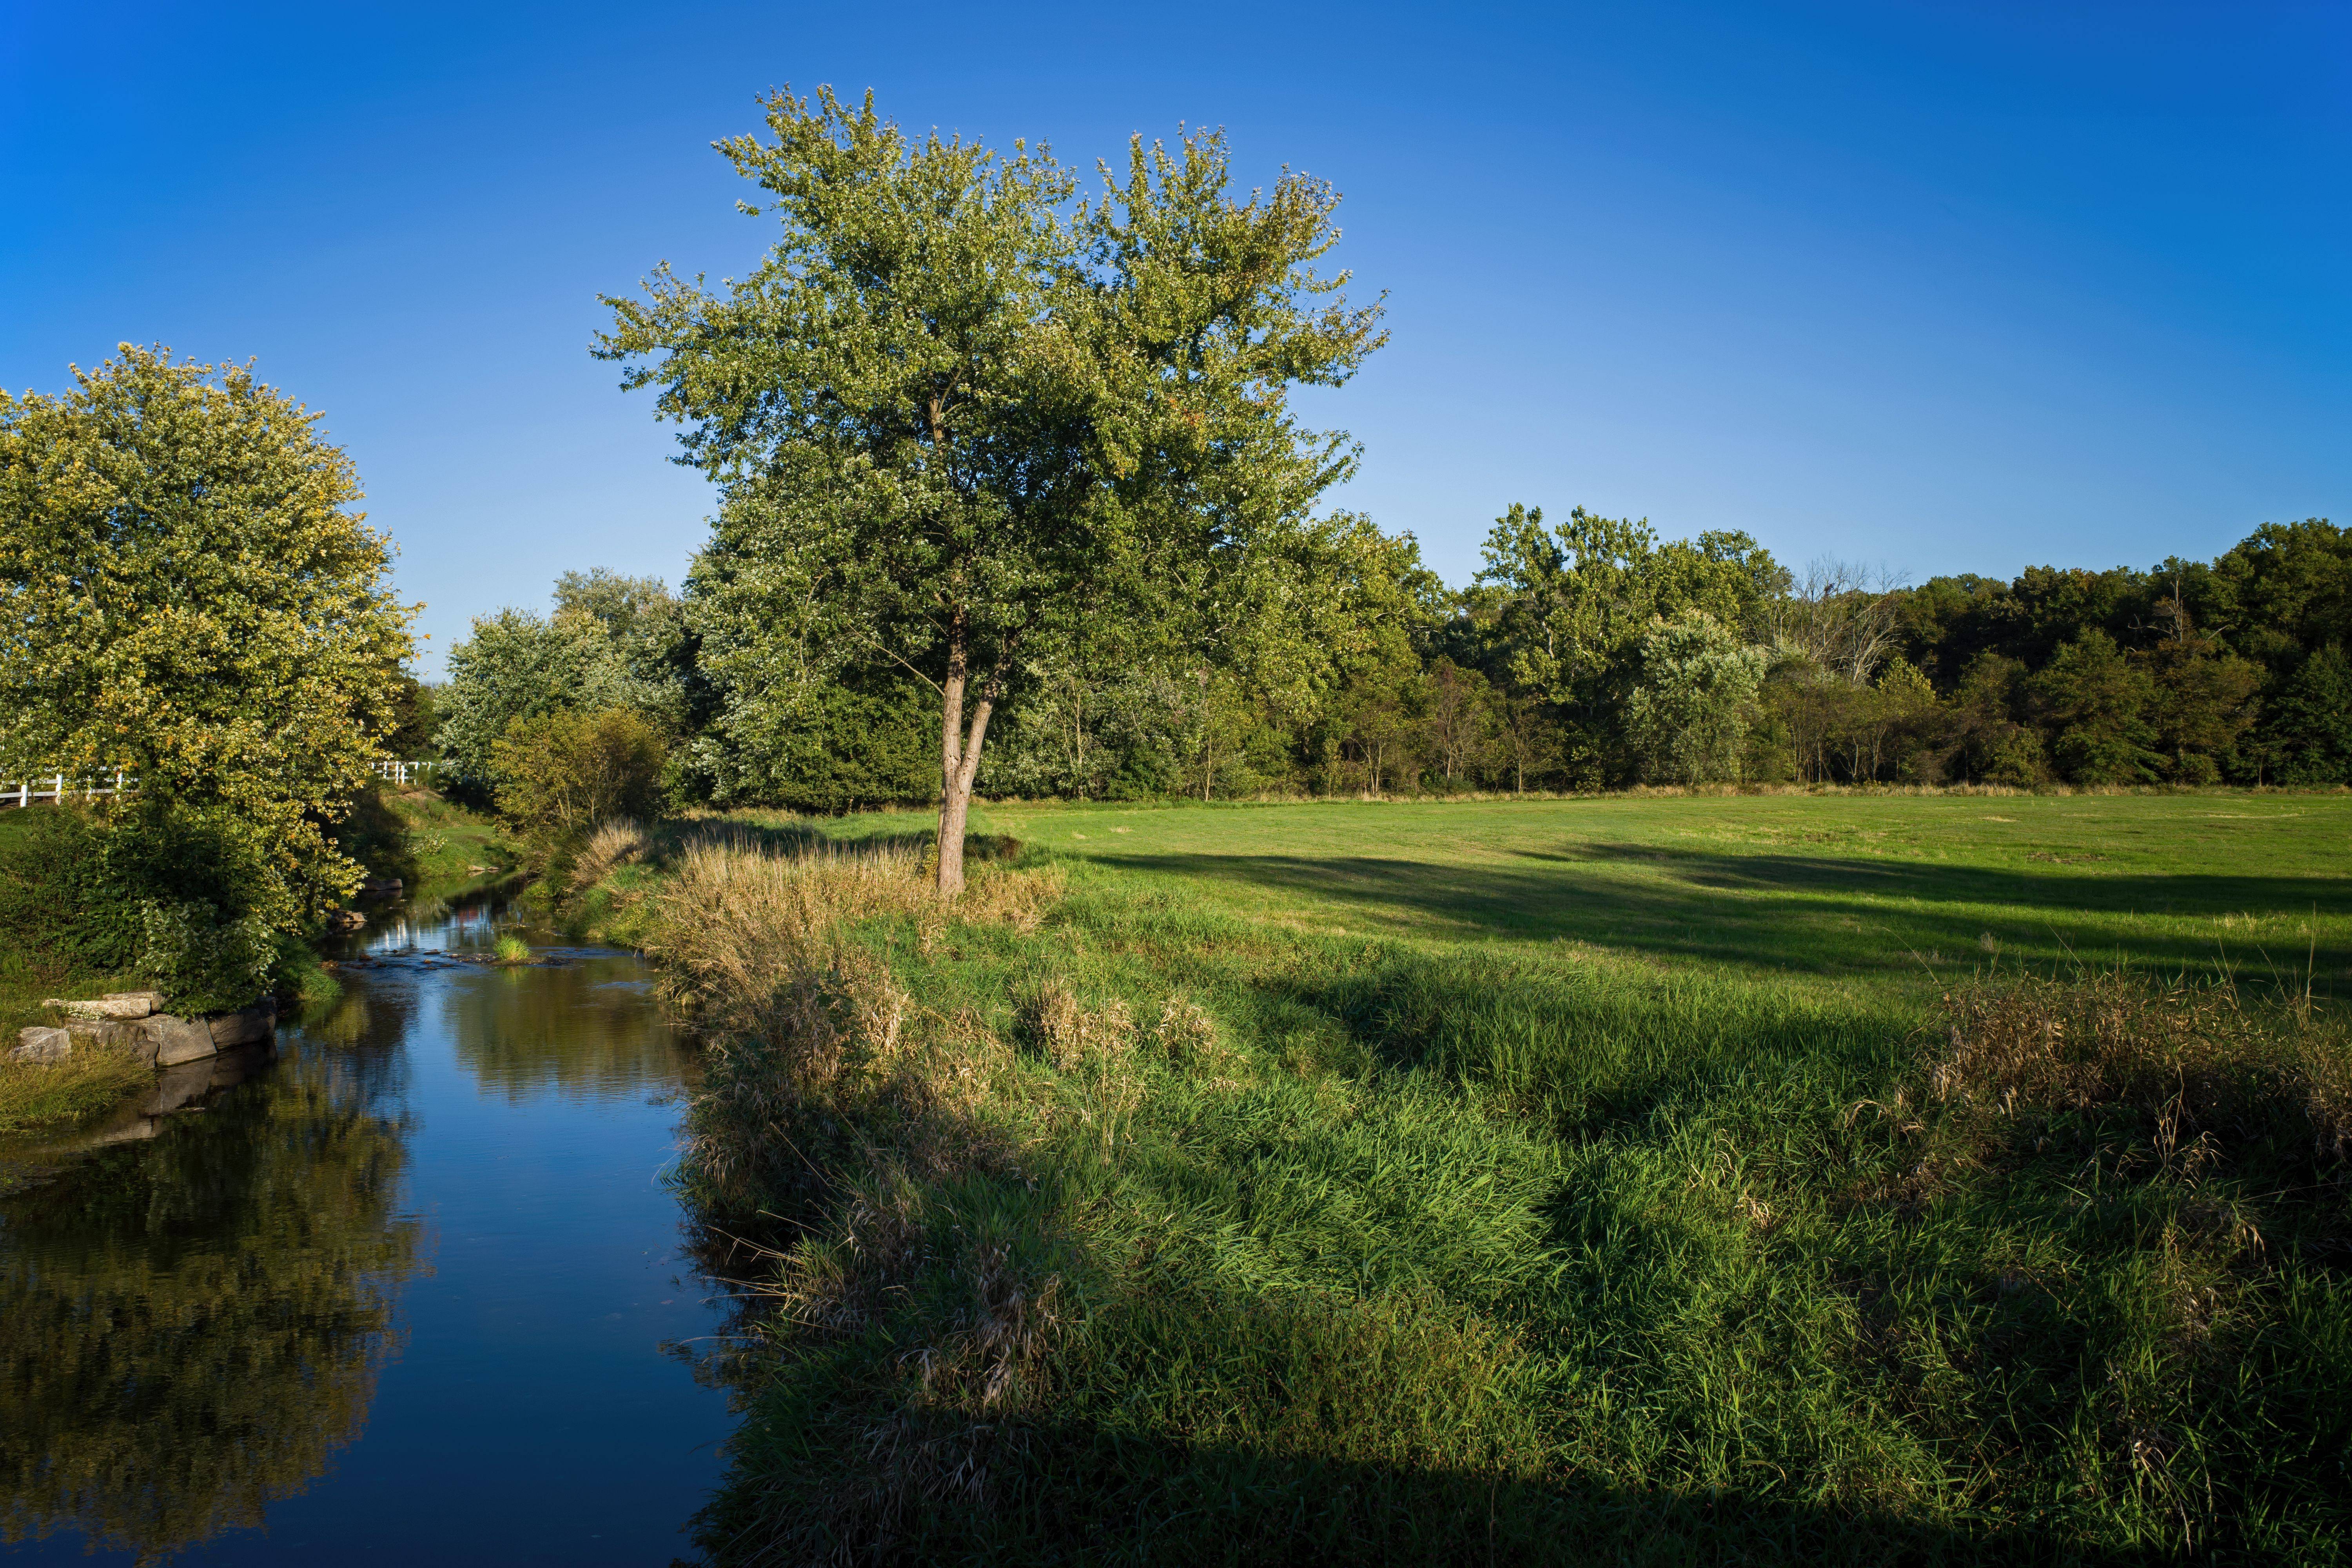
{"x": 187, "y": 903}
{"x": 1085, "y": 1222}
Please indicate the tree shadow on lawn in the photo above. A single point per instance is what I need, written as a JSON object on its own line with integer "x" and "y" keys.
{"x": 1806, "y": 912}
{"x": 1087, "y": 1495}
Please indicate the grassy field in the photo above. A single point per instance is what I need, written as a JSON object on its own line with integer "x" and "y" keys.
{"x": 1879, "y": 892}
{"x": 1643, "y": 1180}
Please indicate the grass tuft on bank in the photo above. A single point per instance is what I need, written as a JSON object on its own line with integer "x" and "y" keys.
{"x": 37, "y": 1096}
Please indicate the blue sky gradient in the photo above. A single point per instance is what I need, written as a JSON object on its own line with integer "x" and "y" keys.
{"x": 1945, "y": 287}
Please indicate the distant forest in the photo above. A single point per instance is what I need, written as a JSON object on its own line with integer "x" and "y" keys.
{"x": 1587, "y": 653}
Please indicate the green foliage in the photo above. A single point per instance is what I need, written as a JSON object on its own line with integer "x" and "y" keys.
{"x": 867, "y": 738}
{"x": 186, "y": 899}
{"x": 2205, "y": 702}
{"x": 1687, "y": 719}
{"x": 201, "y": 961}
{"x": 415, "y": 721}
{"x": 612, "y": 643}
{"x": 2100, "y": 705}
{"x": 955, "y": 409}
{"x": 2283, "y": 592}
{"x": 2309, "y": 729}
{"x": 189, "y": 598}
{"x": 565, "y": 773}
{"x": 1568, "y": 609}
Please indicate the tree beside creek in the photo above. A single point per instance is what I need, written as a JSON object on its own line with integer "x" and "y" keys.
{"x": 191, "y": 600}
{"x": 960, "y": 410}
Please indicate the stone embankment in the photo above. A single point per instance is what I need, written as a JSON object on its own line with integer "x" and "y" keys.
{"x": 135, "y": 1020}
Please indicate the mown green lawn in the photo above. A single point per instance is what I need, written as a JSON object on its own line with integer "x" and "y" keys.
{"x": 1860, "y": 889}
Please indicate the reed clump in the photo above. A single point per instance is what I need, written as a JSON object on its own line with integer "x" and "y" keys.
{"x": 2195, "y": 1057}
{"x": 740, "y": 932}
{"x": 618, "y": 843}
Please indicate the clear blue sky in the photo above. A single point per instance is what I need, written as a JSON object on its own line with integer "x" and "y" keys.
{"x": 1952, "y": 287}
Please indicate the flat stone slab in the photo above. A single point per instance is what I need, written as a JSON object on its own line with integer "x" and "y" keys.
{"x": 41, "y": 1045}
{"x": 107, "y": 1032}
{"x": 246, "y": 1024}
{"x": 120, "y": 1006}
{"x": 159, "y": 1040}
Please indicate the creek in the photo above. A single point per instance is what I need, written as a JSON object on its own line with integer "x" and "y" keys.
{"x": 414, "y": 1291}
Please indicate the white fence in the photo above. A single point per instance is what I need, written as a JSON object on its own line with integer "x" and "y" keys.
{"x": 402, "y": 773}
{"x": 60, "y": 787}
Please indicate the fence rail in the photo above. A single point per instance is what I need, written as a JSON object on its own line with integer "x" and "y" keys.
{"x": 61, "y": 787}
{"x": 401, "y": 773}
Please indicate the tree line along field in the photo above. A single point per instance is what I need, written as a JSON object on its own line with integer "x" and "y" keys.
{"x": 1633, "y": 1178}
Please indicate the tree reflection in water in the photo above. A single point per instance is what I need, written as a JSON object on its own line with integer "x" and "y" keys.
{"x": 571, "y": 1029}
{"x": 191, "y": 1327}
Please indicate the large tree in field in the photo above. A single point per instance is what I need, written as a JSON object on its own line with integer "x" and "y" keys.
{"x": 958, "y": 408}
{"x": 186, "y": 595}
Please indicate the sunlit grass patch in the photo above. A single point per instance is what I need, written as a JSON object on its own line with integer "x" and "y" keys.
{"x": 90, "y": 1082}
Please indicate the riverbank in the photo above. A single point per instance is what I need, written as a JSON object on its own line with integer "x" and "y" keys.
{"x": 1666, "y": 1177}
{"x": 413, "y": 841}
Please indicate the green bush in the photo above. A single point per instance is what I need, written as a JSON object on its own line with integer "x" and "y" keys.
{"x": 203, "y": 963}
{"x": 564, "y": 774}
{"x": 188, "y": 898}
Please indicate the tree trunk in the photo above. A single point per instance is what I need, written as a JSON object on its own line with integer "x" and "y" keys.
{"x": 959, "y": 756}
{"x": 955, "y": 806}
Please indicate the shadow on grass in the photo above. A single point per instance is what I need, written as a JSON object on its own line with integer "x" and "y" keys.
{"x": 1802, "y": 912}
{"x": 1079, "y": 1493}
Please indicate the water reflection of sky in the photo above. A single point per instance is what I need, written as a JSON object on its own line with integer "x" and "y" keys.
{"x": 402, "y": 1297}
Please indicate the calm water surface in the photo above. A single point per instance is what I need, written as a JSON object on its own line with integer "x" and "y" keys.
{"x": 413, "y": 1292}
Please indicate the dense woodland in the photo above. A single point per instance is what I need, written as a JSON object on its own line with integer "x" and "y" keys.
{"x": 1587, "y": 653}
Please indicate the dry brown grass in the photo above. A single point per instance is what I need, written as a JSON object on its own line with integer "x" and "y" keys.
{"x": 816, "y": 1057}
{"x": 618, "y": 843}
{"x": 1094, "y": 1051}
{"x": 825, "y": 1076}
{"x": 2195, "y": 1060}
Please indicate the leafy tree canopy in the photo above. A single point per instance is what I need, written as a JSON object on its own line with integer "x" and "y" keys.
{"x": 188, "y": 595}
{"x": 958, "y": 406}
{"x": 614, "y": 642}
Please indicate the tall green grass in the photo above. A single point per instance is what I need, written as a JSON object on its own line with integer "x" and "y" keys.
{"x": 1114, "y": 1227}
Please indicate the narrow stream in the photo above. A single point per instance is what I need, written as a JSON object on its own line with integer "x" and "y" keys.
{"x": 413, "y": 1291}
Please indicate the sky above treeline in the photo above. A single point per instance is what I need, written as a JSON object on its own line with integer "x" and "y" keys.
{"x": 1942, "y": 287}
